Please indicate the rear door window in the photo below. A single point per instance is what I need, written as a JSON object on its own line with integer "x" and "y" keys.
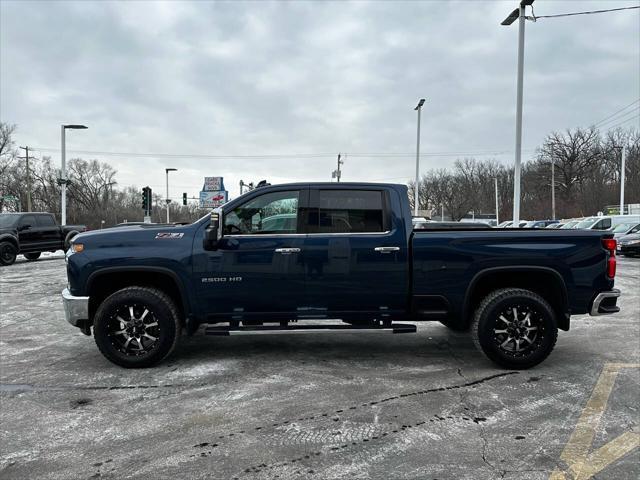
{"x": 348, "y": 211}
{"x": 45, "y": 221}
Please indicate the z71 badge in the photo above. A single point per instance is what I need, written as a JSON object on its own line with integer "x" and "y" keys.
{"x": 169, "y": 235}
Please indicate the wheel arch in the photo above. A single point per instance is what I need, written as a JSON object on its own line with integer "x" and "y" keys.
{"x": 11, "y": 239}
{"x": 544, "y": 281}
{"x": 106, "y": 281}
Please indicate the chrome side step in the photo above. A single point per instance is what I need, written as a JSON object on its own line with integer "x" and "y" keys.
{"x": 295, "y": 329}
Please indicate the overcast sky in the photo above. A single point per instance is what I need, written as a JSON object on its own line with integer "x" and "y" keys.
{"x": 284, "y": 79}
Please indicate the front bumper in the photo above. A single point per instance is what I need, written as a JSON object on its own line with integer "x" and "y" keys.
{"x": 76, "y": 309}
{"x": 605, "y": 303}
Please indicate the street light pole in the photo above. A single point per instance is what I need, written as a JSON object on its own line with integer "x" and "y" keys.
{"x": 63, "y": 179}
{"x": 416, "y": 187}
{"x": 63, "y": 173}
{"x": 622, "y": 172}
{"x": 167, "y": 170}
{"x": 553, "y": 189}
{"x": 497, "y": 217}
{"x": 518, "y": 13}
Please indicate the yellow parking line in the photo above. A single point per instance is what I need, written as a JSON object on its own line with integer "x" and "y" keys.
{"x": 582, "y": 464}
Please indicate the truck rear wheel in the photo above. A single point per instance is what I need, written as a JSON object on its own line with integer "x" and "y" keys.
{"x": 8, "y": 253}
{"x": 136, "y": 327}
{"x": 515, "y": 328}
{"x": 32, "y": 256}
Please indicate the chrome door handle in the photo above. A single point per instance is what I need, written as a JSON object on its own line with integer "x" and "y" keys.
{"x": 386, "y": 249}
{"x": 287, "y": 251}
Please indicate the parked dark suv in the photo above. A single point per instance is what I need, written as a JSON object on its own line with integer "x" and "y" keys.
{"x": 31, "y": 234}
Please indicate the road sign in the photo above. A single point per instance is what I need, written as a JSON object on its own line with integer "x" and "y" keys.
{"x": 213, "y": 184}
{"x": 213, "y": 199}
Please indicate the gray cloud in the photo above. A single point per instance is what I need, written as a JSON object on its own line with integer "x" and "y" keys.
{"x": 251, "y": 78}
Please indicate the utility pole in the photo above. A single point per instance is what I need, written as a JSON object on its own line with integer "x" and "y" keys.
{"x": 26, "y": 157}
{"x": 622, "y": 172}
{"x": 497, "y": 219}
{"x": 337, "y": 173}
{"x": 518, "y": 13}
{"x": 416, "y": 187}
{"x": 553, "y": 189}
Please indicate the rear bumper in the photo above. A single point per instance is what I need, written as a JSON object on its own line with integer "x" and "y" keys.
{"x": 76, "y": 309}
{"x": 605, "y": 303}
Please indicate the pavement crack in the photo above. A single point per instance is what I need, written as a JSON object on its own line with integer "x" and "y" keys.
{"x": 332, "y": 414}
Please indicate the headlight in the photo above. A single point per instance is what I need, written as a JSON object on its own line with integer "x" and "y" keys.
{"x": 77, "y": 247}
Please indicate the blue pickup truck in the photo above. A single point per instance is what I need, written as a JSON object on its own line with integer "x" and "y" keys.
{"x": 344, "y": 253}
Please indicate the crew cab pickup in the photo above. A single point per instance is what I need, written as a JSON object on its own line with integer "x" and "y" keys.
{"x": 344, "y": 255}
{"x": 31, "y": 234}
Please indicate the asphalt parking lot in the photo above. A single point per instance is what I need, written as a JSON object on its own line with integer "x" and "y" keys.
{"x": 422, "y": 406}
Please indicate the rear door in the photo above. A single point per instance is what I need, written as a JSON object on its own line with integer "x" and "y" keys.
{"x": 257, "y": 270}
{"x": 356, "y": 261}
{"x": 49, "y": 231}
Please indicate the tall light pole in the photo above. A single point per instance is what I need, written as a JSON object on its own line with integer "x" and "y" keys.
{"x": 496, "y": 182}
{"x": 553, "y": 189}
{"x": 63, "y": 181}
{"x": 416, "y": 187}
{"x": 622, "y": 172}
{"x": 167, "y": 170}
{"x": 518, "y": 13}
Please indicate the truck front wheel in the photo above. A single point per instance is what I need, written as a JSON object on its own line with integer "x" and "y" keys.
{"x": 515, "y": 328}
{"x": 136, "y": 327}
{"x": 32, "y": 256}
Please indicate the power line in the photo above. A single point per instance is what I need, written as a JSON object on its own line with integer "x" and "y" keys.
{"x": 615, "y": 113}
{"x": 591, "y": 12}
{"x": 617, "y": 119}
{"x": 625, "y": 121}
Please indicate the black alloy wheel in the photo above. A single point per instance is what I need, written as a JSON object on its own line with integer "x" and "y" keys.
{"x": 136, "y": 327}
{"x": 515, "y": 328}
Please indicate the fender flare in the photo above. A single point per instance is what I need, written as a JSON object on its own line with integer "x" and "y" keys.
{"x": 514, "y": 268}
{"x": 186, "y": 304}
{"x": 7, "y": 237}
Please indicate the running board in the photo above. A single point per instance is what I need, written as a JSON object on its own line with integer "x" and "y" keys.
{"x": 276, "y": 329}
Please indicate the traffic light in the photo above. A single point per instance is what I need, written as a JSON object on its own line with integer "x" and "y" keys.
{"x": 146, "y": 200}
{"x": 184, "y": 198}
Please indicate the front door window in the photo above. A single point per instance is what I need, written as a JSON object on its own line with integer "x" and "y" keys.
{"x": 271, "y": 213}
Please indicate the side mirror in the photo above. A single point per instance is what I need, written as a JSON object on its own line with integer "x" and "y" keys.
{"x": 24, "y": 227}
{"x": 211, "y": 234}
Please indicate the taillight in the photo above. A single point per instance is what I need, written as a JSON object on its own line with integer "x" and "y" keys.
{"x": 610, "y": 245}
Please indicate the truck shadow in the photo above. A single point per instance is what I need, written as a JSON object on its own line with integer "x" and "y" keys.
{"x": 432, "y": 343}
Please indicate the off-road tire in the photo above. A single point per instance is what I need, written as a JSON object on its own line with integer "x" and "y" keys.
{"x": 164, "y": 312}
{"x": 32, "y": 256}
{"x": 486, "y": 321}
{"x": 8, "y": 253}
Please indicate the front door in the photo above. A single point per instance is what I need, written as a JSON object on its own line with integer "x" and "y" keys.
{"x": 28, "y": 233}
{"x": 355, "y": 255}
{"x": 257, "y": 270}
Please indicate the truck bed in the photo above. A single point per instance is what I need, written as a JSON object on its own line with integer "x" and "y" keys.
{"x": 447, "y": 265}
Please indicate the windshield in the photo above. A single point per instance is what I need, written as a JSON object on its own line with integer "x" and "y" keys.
{"x": 569, "y": 224}
{"x": 623, "y": 227}
{"x": 587, "y": 222}
{"x": 8, "y": 220}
